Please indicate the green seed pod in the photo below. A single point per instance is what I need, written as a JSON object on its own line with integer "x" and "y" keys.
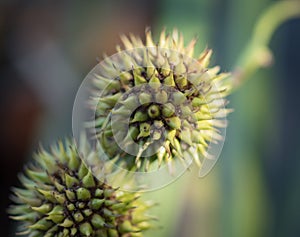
{"x": 178, "y": 98}
{"x": 145, "y": 98}
{"x": 156, "y": 135}
{"x": 158, "y": 124}
{"x": 139, "y": 116}
{"x": 161, "y": 97}
{"x": 169, "y": 80}
{"x": 173, "y": 122}
{"x": 87, "y": 207}
{"x": 144, "y": 130}
{"x": 154, "y": 82}
{"x": 138, "y": 79}
{"x": 168, "y": 110}
{"x": 153, "y": 111}
{"x": 164, "y": 87}
{"x": 130, "y": 103}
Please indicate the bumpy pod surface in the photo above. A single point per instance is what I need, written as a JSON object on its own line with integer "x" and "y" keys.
{"x": 61, "y": 197}
{"x": 167, "y": 106}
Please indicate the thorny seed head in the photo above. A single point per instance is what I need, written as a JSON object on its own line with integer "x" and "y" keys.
{"x": 60, "y": 197}
{"x": 167, "y": 106}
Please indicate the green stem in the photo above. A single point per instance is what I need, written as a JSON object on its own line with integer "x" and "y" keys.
{"x": 257, "y": 53}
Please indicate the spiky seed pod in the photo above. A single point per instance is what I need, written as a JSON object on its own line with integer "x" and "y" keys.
{"x": 174, "y": 103}
{"x": 60, "y": 197}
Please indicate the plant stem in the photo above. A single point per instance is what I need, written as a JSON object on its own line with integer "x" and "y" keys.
{"x": 257, "y": 53}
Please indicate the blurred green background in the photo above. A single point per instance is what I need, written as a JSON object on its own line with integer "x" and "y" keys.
{"x": 47, "y": 48}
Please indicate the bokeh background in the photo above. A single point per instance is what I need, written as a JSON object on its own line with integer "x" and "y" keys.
{"x": 47, "y": 48}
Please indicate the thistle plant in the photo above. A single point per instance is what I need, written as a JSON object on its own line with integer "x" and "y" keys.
{"x": 61, "y": 197}
{"x": 167, "y": 106}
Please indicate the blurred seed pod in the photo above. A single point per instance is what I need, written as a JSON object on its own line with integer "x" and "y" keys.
{"x": 61, "y": 197}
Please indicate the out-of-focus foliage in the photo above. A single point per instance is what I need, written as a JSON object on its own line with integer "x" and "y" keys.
{"x": 254, "y": 187}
